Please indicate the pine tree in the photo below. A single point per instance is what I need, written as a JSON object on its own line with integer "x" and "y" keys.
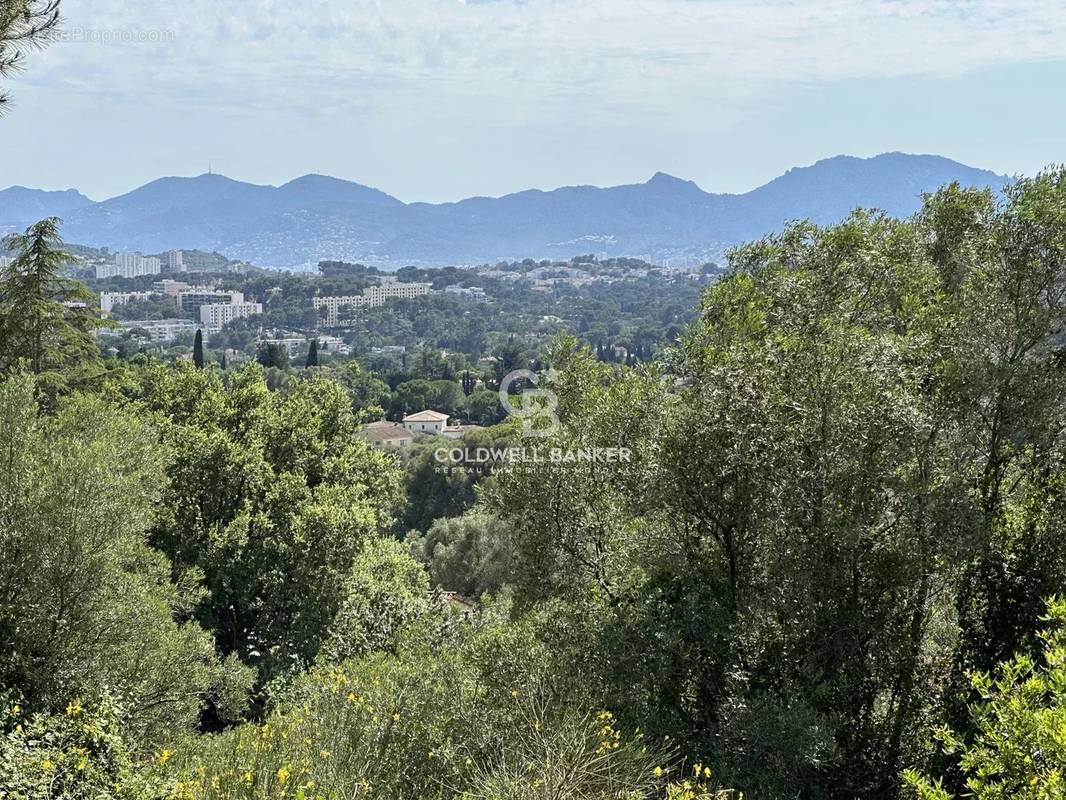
{"x": 222, "y": 361}
{"x": 46, "y": 320}
{"x": 312, "y": 355}
{"x": 24, "y": 26}
{"x": 198, "y": 349}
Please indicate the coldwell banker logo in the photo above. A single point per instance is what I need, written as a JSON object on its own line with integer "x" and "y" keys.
{"x": 536, "y": 407}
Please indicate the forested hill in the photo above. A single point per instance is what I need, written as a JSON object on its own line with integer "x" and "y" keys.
{"x": 666, "y": 219}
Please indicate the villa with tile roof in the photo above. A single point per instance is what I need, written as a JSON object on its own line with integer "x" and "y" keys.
{"x": 428, "y": 422}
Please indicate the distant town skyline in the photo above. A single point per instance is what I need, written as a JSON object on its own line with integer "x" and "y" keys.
{"x": 436, "y": 100}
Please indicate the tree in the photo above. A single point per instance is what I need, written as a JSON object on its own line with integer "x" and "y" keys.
{"x": 469, "y": 383}
{"x": 470, "y": 554}
{"x": 24, "y": 25}
{"x": 272, "y": 354}
{"x": 87, "y": 609}
{"x": 46, "y": 320}
{"x": 198, "y": 349}
{"x": 847, "y": 498}
{"x": 482, "y": 407}
{"x": 1019, "y": 749}
{"x": 312, "y": 355}
{"x": 271, "y": 496}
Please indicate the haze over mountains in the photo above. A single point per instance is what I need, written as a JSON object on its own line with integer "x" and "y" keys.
{"x": 665, "y": 220}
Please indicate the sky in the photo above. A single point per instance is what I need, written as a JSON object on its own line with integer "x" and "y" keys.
{"x": 437, "y": 100}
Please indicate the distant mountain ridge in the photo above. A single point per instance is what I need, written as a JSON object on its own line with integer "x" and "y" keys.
{"x": 666, "y": 219}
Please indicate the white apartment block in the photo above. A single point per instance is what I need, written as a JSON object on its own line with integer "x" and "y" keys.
{"x": 108, "y": 300}
{"x": 191, "y": 300}
{"x": 372, "y": 297}
{"x": 129, "y": 265}
{"x": 214, "y": 316}
{"x": 161, "y": 330}
{"x": 174, "y": 261}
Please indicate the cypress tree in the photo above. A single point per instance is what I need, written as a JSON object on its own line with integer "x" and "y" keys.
{"x": 198, "y": 349}
{"x": 312, "y": 354}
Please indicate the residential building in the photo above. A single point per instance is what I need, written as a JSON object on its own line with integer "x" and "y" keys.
{"x": 428, "y": 422}
{"x": 128, "y": 265}
{"x": 372, "y": 297}
{"x": 108, "y": 300}
{"x": 214, "y": 316}
{"x": 162, "y": 330}
{"x": 459, "y": 431}
{"x": 174, "y": 261}
{"x": 333, "y": 344}
{"x": 294, "y": 346}
{"x": 192, "y": 299}
{"x": 387, "y": 434}
{"x": 473, "y": 292}
{"x": 171, "y": 288}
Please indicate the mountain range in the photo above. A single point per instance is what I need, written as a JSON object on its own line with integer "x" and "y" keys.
{"x": 665, "y": 220}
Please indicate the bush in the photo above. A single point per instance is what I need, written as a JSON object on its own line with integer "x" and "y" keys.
{"x": 1019, "y": 750}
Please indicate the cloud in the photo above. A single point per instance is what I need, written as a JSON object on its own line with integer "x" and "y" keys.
{"x": 320, "y": 55}
{"x": 448, "y": 97}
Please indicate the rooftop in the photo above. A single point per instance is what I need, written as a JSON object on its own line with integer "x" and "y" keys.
{"x": 426, "y": 416}
{"x": 385, "y": 431}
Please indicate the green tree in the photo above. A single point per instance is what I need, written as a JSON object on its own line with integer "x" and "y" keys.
{"x": 46, "y": 320}
{"x": 86, "y": 607}
{"x": 272, "y": 354}
{"x": 271, "y": 496}
{"x": 482, "y": 407}
{"x": 471, "y": 554}
{"x": 24, "y": 25}
{"x": 198, "y": 349}
{"x": 1018, "y": 746}
{"x": 312, "y": 354}
{"x": 848, "y": 497}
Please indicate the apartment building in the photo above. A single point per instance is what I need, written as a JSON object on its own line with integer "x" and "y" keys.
{"x": 372, "y": 297}
{"x": 213, "y": 316}
{"x": 191, "y": 300}
{"x": 108, "y": 300}
{"x": 129, "y": 265}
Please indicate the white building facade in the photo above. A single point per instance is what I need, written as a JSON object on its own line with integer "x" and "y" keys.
{"x": 372, "y": 297}
{"x": 214, "y": 316}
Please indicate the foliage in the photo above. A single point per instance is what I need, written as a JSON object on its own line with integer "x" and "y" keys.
{"x": 86, "y": 607}
{"x": 1018, "y": 749}
{"x": 198, "y": 350}
{"x": 437, "y": 488}
{"x": 470, "y": 555}
{"x": 75, "y": 753}
{"x": 24, "y": 25}
{"x": 849, "y": 498}
{"x": 387, "y": 599}
{"x": 466, "y": 718}
{"x": 272, "y": 495}
{"x": 36, "y": 323}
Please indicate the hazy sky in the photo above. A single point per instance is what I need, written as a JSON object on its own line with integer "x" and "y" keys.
{"x": 440, "y": 99}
